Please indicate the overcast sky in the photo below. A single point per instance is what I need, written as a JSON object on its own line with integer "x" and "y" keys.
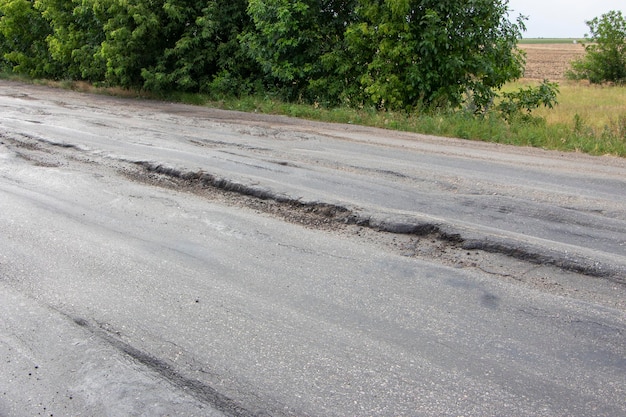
{"x": 561, "y": 18}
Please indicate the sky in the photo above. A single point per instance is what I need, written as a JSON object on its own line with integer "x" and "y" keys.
{"x": 561, "y": 18}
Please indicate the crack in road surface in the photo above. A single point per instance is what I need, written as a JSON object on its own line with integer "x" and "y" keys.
{"x": 508, "y": 260}
{"x": 197, "y": 277}
{"x": 318, "y": 214}
{"x": 199, "y": 390}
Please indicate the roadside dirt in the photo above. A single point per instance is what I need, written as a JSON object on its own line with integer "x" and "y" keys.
{"x": 426, "y": 245}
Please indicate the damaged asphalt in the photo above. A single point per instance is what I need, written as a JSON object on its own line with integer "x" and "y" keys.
{"x": 164, "y": 259}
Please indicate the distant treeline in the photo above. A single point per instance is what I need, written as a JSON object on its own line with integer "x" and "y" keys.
{"x": 397, "y": 54}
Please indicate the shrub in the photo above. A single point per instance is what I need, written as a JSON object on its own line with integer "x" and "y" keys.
{"x": 23, "y": 33}
{"x": 521, "y": 103}
{"x": 605, "y": 60}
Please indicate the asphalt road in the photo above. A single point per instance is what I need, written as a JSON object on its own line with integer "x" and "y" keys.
{"x": 163, "y": 259}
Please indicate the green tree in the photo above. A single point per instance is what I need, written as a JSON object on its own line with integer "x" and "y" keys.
{"x": 434, "y": 53}
{"x": 202, "y": 45}
{"x": 76, "y": 38}
{"x": 290, "y": 38}
{"x": 134, "y": 39}
{"x": 395, "y": 54}
{"x": 235, "y": 72}
{"x": 605, "y": 58}
{"x": 23, "y": 32}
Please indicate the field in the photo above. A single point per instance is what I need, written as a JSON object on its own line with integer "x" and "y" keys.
{"x": 597, "y": 108}
{"x": 550, "y": 60}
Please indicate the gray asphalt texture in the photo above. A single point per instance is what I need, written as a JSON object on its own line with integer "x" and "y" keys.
{"x": 134, "y": 280}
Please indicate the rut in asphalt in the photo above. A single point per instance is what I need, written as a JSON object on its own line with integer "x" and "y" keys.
{"x": 422, "y": 239}
{"x": 198, "y": 389}
{"x": 315, "y": 213}
{"x": 328, "y": 216}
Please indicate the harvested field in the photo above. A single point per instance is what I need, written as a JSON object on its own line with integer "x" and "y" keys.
{"x": 550, "y": 61}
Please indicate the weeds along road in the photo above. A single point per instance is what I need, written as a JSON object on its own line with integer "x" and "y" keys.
{"x": 163, "y": 259}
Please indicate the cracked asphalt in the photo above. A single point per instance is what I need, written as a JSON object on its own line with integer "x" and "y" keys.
{"x": 164, "y": 259}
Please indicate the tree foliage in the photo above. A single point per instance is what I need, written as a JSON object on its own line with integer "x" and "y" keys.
{"x": 392, "y": 54}
{"x": 395, "y": 54}
{"x": 75, "y": 38}
{"x": 202, "y": 45}
{"x": 435, "y": 52}
{"x": 290, "y": 38}
{"x": 23, "y": 32}
{"x": 605, "y": 58}
{"x": 521, "y": 103}
{"x": 430, "y": 52}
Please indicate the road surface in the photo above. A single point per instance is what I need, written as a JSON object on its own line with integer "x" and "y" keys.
{"x": 164, "y": 259}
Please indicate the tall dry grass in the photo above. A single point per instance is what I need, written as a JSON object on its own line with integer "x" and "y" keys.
{"x": 600, "y": 109}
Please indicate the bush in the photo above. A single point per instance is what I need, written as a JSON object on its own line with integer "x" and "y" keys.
{"x": 521, "y": 103}
{"x": 23, "y": 33}
{"x": 605, "y": 60}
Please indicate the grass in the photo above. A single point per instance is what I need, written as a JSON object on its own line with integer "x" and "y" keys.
{"x": 589, "y": 119}
{"x": 597, "y": 105}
